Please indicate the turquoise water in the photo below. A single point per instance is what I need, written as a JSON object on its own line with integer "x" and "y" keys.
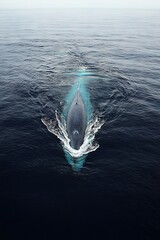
{"x": 81, "y": 81}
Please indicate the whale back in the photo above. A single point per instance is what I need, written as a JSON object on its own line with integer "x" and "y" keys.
{"x": 76, "y": 121}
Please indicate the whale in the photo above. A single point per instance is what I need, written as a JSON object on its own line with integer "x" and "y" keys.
{"x": 76, "y": 122}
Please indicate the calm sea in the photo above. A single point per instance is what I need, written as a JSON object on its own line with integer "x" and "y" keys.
{"x": 116, "y": 195}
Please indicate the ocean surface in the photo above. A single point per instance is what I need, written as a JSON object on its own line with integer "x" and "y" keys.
{"x": 116, "y": 194}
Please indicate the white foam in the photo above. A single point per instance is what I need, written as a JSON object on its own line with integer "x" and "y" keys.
{"x": 58, "y": 128}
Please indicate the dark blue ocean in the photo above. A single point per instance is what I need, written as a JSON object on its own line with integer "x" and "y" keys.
{"x": 116, "y": 194}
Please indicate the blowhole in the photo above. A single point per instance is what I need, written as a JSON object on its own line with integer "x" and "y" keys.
{"x": 76, "y": 132}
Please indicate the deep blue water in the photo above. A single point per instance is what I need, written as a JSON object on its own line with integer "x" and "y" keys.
{"x": 116, "y": 195}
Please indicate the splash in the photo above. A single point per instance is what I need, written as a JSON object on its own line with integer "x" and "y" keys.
{"x": 76, "y": 158}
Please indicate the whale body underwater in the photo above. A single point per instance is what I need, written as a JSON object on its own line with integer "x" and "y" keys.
{"x": 76, "y": 121}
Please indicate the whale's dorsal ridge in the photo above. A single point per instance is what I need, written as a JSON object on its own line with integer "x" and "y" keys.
{"x": 77, "y": 97}
{"x": 76, "y": 121}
